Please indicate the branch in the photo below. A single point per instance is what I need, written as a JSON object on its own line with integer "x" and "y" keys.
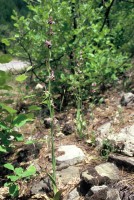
{"x": 106, "y": 20}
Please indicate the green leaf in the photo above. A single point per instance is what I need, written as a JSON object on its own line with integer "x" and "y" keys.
{"x": 5, "y": 41}
{"x": 30, "y": 142}
{"x": 3, "y": 126}
{"x": 34, "y": 108}
{"x": 21, "y": 78}
{"x": 14, "y": 190}
{"x": 3, "y": 149}
{"x": 31, "y": 170}
{"x": 7, "y": 108}
{"x": 13, "y": 178}
{"x": 18, "y": 171}
{"x": 9, "y": 166}
{"x": 21, "y": 120}
{"x": 29, "y": 68}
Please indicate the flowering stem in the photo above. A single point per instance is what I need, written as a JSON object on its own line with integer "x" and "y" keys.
{"x": 51, "y": 110}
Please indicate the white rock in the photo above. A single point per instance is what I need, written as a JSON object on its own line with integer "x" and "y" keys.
{"x": 73, "y": 195}
{"x": 127, "y": 99}
{"x": 96, "y": 189}
{"x": 69, "y": 174}
{"x": 38, "y": 86}
{"x": 73, "y": 155}
{"x": 109, "y": 170}
{"x": 113, "y": 194}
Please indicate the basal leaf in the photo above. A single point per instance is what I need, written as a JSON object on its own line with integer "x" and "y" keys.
{"x": 14, "y": 190}
{"x": 9, "y": 166}
{"x": 31, "y": 170}
{"x": 21, "y": 120}
{"x": 7, "y": 108}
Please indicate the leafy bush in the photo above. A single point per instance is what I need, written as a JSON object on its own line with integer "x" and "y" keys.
{"x": 9, "y": 121}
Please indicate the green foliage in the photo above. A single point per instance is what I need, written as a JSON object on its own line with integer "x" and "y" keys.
{"x": 9, "y": 120}
{"x": 18, "y": 174}
{"x": 107, "y": 148}
{"x": 5, "y": 58}
{"x": 81, "y": 53}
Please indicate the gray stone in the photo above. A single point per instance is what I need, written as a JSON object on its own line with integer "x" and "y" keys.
{"x": 73, "y": 195}
{"x": 41, "y": 186}
{"x": 127, "y": 99}
{"x": 69, "y": 174}
{"x": 100, "y": 175}
{"x": 123, "y": 141}
{"x": 108, "y": 170}
{"x": 72, "y": 155}
{"x": 87, "y": 177}
{"x": 113, "y": 194}
{"x": 96, "y": 189}
{"x": 103, "y": 132}
{"x": 126, "y": 138}
{"x": 122, "y": 161}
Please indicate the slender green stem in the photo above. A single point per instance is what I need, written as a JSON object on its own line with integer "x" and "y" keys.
{"x": 51, "y": 109}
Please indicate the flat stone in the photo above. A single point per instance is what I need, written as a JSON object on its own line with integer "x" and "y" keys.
{"x": 108, "y": 170}
{"x": 42, "y": 186}
{"x": 122, "y": 161}
{"x": 113, "y": 194}
{"x": 123, "y": 141}
{"x": 72, "y": 155}
{"x": 69, "y": 174}
{"x": 73, "y": 195}
{"x": 126, "y": 138}
{"x": 103, "y": 132}
{"x": 87, "y": 177}
{"x": 96, "y": 189}
{"x": 105, "y": 128}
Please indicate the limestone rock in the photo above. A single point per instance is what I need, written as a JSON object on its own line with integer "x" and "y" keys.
{"x": 73, "y": 195}
{"x": 108, "y": 170}
{"x": 113, "y": 194}
{"x": 122, "y": 161}
{"x": 126, "y": 137}
{"x": 127, "y": 99}
{"x": 96, "y": 189}
{"x": 67, "y": 175}
{"x": 123, "y": 141}
{"x": 72, "y": 155}
{"x": 101, "y": 174}
{"x": 103, "y": 132}
{"x": 41, "y": 186}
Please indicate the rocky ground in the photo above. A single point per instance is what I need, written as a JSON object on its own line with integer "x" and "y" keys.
{"x": 98, "y": 167}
